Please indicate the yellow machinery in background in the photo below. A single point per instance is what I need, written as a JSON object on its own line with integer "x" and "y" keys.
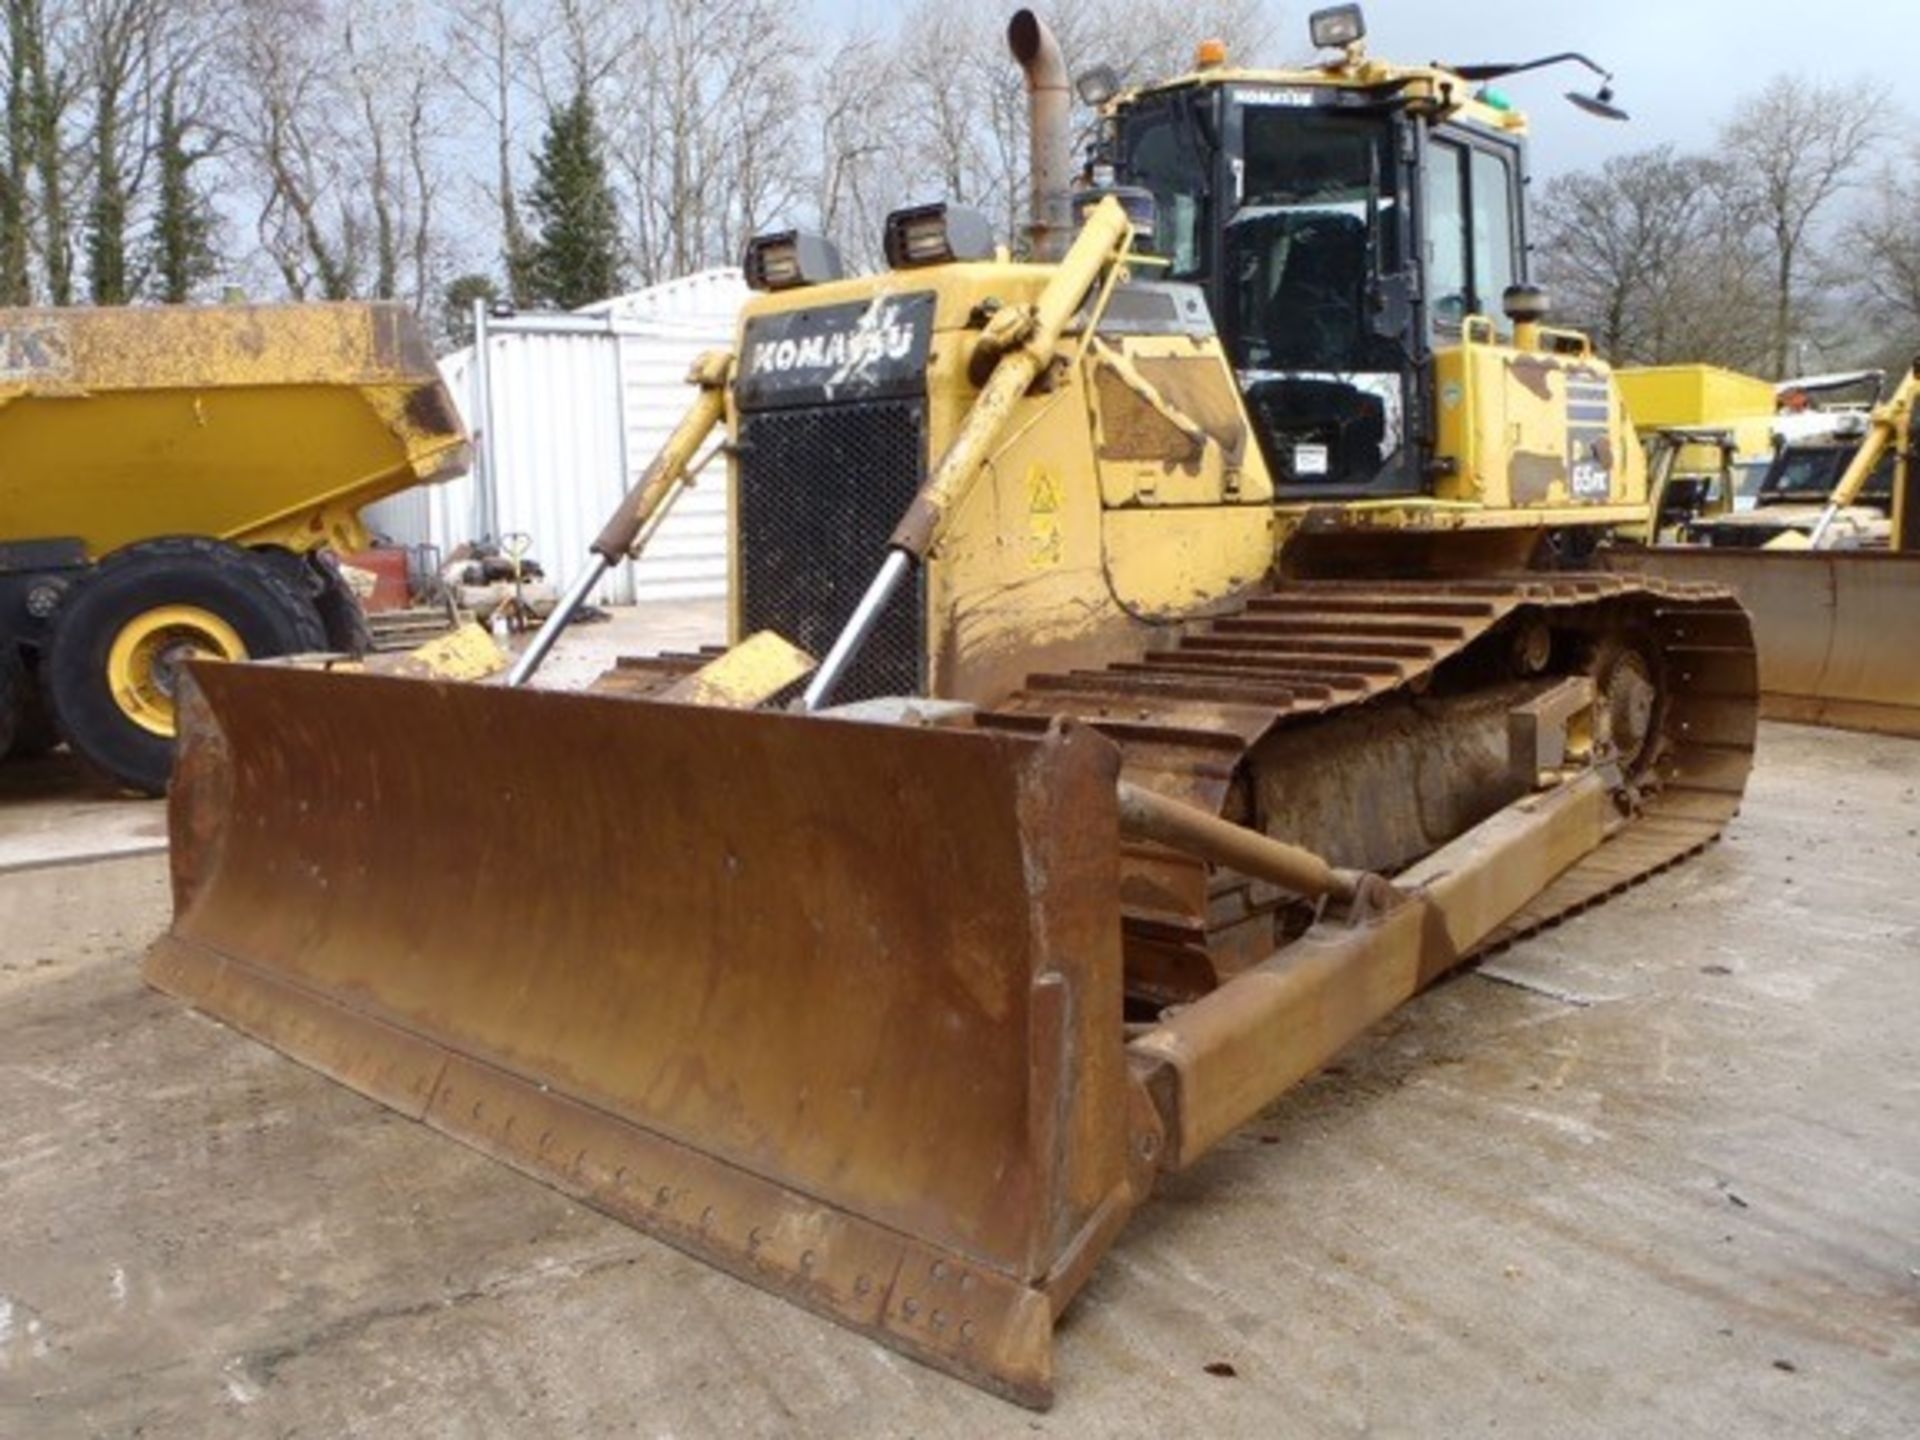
{"x": 1184, "y": 703}
{"x": 174, "y": 481}
{"x": 1830, "y": 572}
{"x": 1721, "y": 423}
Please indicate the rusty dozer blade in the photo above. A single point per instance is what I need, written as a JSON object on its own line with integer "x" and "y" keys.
{"x": 834, "y": 1006}
{"x": 1834, "y": 628}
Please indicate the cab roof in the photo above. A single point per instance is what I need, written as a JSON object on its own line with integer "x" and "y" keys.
{"x": 1430, "y": 89}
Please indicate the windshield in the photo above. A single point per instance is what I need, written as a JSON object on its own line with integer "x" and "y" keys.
{"x": 1162, "y": 154}
{"x": 1299, "y": 255}
{"x": 1807, "y": 474}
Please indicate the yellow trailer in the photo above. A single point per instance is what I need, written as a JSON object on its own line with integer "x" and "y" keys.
{"x": 174, "y": 482}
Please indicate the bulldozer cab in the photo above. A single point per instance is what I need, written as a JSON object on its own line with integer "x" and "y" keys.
{"x": 1806, "y": 472}
{"x": 1345, "y": 226}
{"x": 1851, "y": 484}
{"x": 1680, "y": 493}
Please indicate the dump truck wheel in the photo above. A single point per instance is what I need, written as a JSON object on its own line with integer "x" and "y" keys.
{"x": 125, "y": 632}
{"x": 316, "y": 575}
{"x": 340, "y": 609}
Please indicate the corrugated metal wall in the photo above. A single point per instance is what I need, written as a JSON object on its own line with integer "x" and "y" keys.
{"x": 581, "y": 404}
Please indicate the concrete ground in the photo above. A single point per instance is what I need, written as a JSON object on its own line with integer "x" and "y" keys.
{"x": 51, "y": 814}
{"x": 1653, "y": 1173}
{"x": 632, "y": 630}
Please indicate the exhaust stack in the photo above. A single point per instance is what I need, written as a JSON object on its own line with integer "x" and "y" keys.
{"x": 1050, "y": 143}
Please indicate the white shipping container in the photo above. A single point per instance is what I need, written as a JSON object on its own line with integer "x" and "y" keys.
{"x": 580, "y": 405}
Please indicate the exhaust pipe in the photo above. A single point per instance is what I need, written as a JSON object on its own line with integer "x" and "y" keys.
{"x": 1050, "y": 142}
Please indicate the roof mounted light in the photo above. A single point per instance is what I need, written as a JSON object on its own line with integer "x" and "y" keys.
{"x": 788, "y": 259}
{"x": 1097, "y": 85}
{"x": 1337, "y": 27}
{"x": 936, "y": 235}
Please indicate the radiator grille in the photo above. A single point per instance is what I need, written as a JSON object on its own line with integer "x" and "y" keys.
{"x": 821, "y": 489}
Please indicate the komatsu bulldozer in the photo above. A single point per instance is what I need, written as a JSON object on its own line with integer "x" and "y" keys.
{"x": 1184, "y": 703}
{"x": 1827, "y": 562}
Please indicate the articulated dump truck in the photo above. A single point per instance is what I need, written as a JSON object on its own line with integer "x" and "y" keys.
{"x": 176, "y": 480}
{"x": 1184, "y": 703}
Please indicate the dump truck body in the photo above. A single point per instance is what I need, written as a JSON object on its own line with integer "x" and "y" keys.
{"x": 1108, "y": 813}
{"x": 175, "y": 478}
{"x": 268, "y": 424}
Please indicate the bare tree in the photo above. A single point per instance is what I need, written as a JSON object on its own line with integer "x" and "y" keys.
{"x": 1649, "y": 255}
{"x": 488, "y": 39}
{"x": 34, "y": 210}
{"x": 303, "y": 216}
{"x": 1790, "y": 152}
{"x": 16, "y": 216}
{"x": 334, "y": 133}
{"x": 1883, "y": 246}
{"x": 181, "y": 250}
{"x": 856, "y": 171}
{"x": 395, "y": 89}
{"x": 708, "y": 130}
{"x": 117, "y": 42}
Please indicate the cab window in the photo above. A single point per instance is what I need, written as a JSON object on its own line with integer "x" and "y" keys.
{"x": 1472, "y": 240}
{"x": 1493, "y": 267}
{"x": 1447, "y": 232}
{"x": 1161, "y": 155}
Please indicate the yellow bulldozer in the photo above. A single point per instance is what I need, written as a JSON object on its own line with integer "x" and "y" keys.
{"x": 175, "y": 484}
{"x": 1827, "y": 562}
{"x": 1185, "y": 703}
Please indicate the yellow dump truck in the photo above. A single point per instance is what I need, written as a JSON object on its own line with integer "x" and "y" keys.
{"x": 174, "y": 483}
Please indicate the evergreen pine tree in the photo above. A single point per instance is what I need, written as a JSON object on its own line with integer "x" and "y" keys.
{"x": 456, "y": 309}
{"x": 575, "y": 258}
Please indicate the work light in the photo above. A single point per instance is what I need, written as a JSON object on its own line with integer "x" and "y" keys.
{"x": 1337, "y": 27}
{"x": 936, "y": 234}
{"x": 790, "y": 258}
{"x": 1097, "y": 85}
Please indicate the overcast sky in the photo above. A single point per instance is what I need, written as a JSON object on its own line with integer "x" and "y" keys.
{"x": 1678, "y": 64}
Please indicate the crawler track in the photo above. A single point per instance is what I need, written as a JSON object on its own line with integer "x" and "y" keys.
{"x": 1187, "y": 719}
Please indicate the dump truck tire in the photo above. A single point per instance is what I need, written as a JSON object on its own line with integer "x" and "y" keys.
{"x": 121, "y": 636}
{"x": 317, "y": 576}
{"x": 340, "y": 609}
